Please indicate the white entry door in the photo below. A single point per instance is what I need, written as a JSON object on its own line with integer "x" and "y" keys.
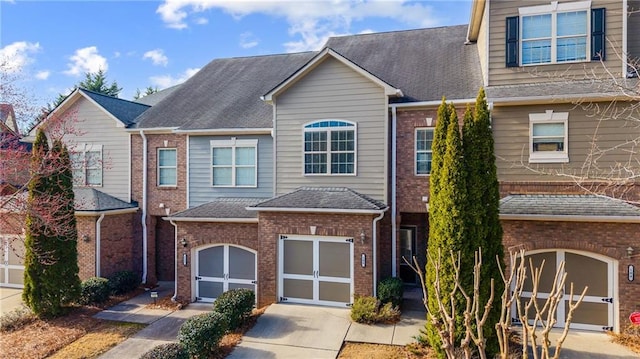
{"x": 12, "y": 262}
{"x": 596, "y": 312}
{"x": 221, "y": 268}
{"x": 316, "y": 270}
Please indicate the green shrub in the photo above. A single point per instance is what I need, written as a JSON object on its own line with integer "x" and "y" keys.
{"x": 16, "y": 319}
{"x": 236, "y": 305}
{"x": 391, "y": 290}
{"x": 200, "y": 335}
{"x": 166, "y": 351}
{"x": 370, "y": 310}
{"x": 94, "y": 290}
{"x": 124, "y": 281}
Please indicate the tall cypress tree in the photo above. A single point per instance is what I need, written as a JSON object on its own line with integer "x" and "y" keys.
{"x": 485, "y": 230}
{"x": 447, "y": 222}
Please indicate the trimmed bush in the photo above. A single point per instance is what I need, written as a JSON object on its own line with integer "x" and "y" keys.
{"x": 16, "y": 319}
{"x": 166, "y": 351}
{"x": 391, "y": 290}
{"x": 369, "y": 310}
{"x": 94, "y": 290}
{"x": 124, "y": 281}
{"x": 236, "y": 305}
{"x": 200, "y": 335}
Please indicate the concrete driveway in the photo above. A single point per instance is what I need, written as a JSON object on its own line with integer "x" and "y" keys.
{"x": 295, "y": 331}
{"x": 10, "y": 299}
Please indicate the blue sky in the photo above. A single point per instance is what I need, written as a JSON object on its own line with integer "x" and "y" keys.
{"x": 50, "y": 45}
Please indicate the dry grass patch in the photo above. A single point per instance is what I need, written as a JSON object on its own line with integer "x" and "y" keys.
{"x": 381, "y": 351}
{"x": 103, "y": 337}
{"x": 629, "y": 337}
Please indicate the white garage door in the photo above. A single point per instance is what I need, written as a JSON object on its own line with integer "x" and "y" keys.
{"x": 596, "y": 312}
{"x": 12, "y": 265}
{"x": 221, "y": 268}
{"x": 316, "y": 270}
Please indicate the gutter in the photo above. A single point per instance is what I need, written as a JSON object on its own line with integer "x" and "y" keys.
{"x": 98, "y": 237}
{"x": 144, "y": 206}
{"x": 394, "y": 158}
{"x": 569, "y": 218}
{"x": 109, "y": 212}
{"x": 375, "y": 251}
{"x": 175, "y": 262}
{"x": 227, "y": 131}
{"x": 431, "y": 103}
{"x": 210, "y": 220}
{"x": 314, "y": 210}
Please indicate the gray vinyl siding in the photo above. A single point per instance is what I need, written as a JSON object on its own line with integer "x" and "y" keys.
{"x": 633, "y": 30}
{"x": 200, "y": 189}
{"x": 332, "y": 91}
{"x": 499, "y": 74}
{"x": 92, "y": 125}
{"x": 511, "y": 132}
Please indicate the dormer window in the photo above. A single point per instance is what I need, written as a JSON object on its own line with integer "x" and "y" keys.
{"x": 330, "y": 147}
{"x": 555, "y": 33}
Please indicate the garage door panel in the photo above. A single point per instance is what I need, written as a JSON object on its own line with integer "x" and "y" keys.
{"x": 298, "y": 288}
{"x": 208, "y": 289}
{"x": 590, "y": 313}
{"x": 298, "y": 257}
{"x": 242, "y": 264}
{"x": 335, "y": 292}
{"x": 335, "y": 259}
{"x": 548, "y": 273}
{"x": 241, "y": 286}
{"x": 583, "y": 272}
{"x": 16, "y": 252}
{"x": 211, "y": 262}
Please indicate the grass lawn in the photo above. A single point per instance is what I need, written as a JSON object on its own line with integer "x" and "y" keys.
{"x": 379, "y": 351}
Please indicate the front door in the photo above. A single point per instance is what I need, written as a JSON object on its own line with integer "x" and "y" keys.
{"x": 407, "y": 251}
{"x": 316, "y": 270}
{"x": 224, "y": 267}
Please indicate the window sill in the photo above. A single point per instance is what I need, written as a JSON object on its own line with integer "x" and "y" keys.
{"x": 422, "y": 174}
{"x": 556, "y": 63}
{"x": 167, "y": 187}
{"x": 549, "y": 159}
{"x": 249, "y": 187}
{"x": 329, "y": 174}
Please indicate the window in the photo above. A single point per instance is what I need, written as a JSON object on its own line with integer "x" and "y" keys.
{"x": 555, "y": 33}
{"x": 424, "y": 139}
{"x": 330, "y": 147}
{"x": 548, "y": 137}
{"x": 86, "y": 165}
{"x": 233, "y": 163}
{"x": 167, "y": 167}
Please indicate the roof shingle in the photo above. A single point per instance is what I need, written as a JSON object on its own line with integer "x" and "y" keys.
{"x": 566, "y": 205}
{"x": 325, "y": 198}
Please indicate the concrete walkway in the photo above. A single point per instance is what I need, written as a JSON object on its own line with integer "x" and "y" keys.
{"x": 10, "y": 299}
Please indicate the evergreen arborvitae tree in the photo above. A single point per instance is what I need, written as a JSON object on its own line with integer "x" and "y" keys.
{"x": 448, "y": 222}
{"x": 51, "y": 258}
{"x": 485, "y": 230}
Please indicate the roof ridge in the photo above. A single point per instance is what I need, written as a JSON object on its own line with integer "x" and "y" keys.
{"x": 112, "y": 97}
{"x": 395, "y": 31}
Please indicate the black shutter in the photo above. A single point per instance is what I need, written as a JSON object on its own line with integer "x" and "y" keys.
{"x": 598, "y": 42}
{"x": 512, "y": 46}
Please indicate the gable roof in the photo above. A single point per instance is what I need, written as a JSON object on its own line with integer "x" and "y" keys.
{"x": 567, "y": 207}
{"x": 322, "y": 199}
{"x": 8, "y": 118}
{"x": 225, "y": 94}
{"x": 221, "y": 210}
{"x": 319, "y": 58}
{"x": 92, "y": 200}
{"x": 123, "y": 110}
{"x": 425, "y": 63}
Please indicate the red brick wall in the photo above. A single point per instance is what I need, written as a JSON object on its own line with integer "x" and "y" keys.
{"x": 608, "y": 239}
{"x": 273, "y": 223}
{"x": 120, "y": 243}
{"x": 203, "y": 234}
{"x": 86, "y": 225}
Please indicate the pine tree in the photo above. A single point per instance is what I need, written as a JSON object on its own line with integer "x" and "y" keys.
{"x": 51, "y": 259}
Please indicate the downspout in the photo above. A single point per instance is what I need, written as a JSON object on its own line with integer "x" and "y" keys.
{"x": 375, "y": 251}
{"x": 98, "y": 223}
{"x": 175, "y": 275}
{"x": 394, "y": 224}
{"x": 144, "y": 207}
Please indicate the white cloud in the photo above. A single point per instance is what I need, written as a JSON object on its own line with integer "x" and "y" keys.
{"x": 157, "y": 56}
{"x": 43, "y": 75}
{"x": 248, "y": 40}
{"x": 201, "y": 21}
{"x": 86, "y": 60}
{"x": 313, "y": 22}
{"x": 117, "y": 54}
{"x": 16, "y": 56}
{"x": 164, "y": 81}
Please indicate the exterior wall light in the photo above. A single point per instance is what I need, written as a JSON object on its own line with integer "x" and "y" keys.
{"x": 85, "y": 238}
{"x": 363, "y": 236}
{"x": 629, "y": 252}
{"x": 183, "y": 241}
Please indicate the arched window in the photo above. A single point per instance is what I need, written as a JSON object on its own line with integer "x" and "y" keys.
{"x": 330, "y": 147}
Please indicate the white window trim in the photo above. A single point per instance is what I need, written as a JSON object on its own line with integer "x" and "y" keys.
{"x": 166, "y": 167}
{"x": 553, "y": 9}
{"x": 415, "y": 151}
{"x": 328, "y": 152}
{"x": 549, "y": 157}
{"x": 84, "y": 148}
{"x": 233, "y": 143}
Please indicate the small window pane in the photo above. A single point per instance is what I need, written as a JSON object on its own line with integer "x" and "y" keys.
{"x": 423, "y": 163}
{"x": 77, "y": 159}
{"x": 315, "y": 163}
{"x": 572, "y": 49}
{"x": 222, "y": 176}
{"x": 548, "y": 129}
{"x": 535, "y": 27}
{"x": 342, "y": 163}
{"x": 167, "y": 177}
{"x": 167, "y": 157}
{"x": 342, "y": 141}
{"x": 572, "y": 23}
{"x": 535, "y": 52}
{"x": 94, "y": 177}
{"x": 245, "y": 156}
{"x": 245, "y": 176}
{"x": 93, "y": 158}
{"x": 424, "y": 139}
{"x": 78, "y": 176}
{"x": 222, "y": 156}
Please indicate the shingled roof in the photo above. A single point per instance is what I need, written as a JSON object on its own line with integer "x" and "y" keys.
{"x": 221, "y": 208}
{"x": 562, "y": 90}
{"x": 321, "y": 199}
{"x": 92, "y": 200}
{"x": 548, "y": 205}
{"x": 124, "y": 110}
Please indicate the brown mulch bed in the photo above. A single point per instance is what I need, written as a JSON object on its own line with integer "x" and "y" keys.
{"x": 629, "y": 337}
{"x": 380, "y": 351}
